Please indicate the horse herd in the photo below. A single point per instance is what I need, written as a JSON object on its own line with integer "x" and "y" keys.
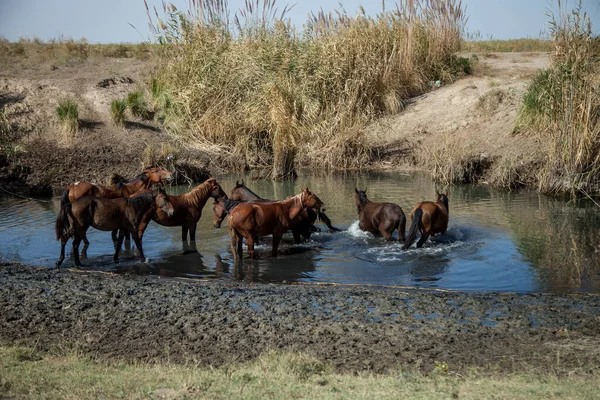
{"x": 125, "y": 209}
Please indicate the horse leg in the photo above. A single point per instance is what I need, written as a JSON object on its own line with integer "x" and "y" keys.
{"x": 385, "y": 231}
{"x": 63, "y": 242}
{"x": 184, "y": 232}
{"x": 86, "y": 242}
{"x": 276, "y": 240}
{"x": 115, "y": 237}
{"x": 138, "y": 244}
{"x": 250, "y": 244}
{"x": 297, "y": 239}
{"x": 402, "y": 228}
{"x": 76, "y": 242}
{"x": 193, "y": 238}
{"x": 422, "y": 240}
{"x": 127, "y": 241}
{"x": 118, "y": 246}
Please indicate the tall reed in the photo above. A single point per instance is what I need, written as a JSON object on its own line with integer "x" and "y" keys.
{"x": 232, "y": 79}
{"x": 562, "y": 104}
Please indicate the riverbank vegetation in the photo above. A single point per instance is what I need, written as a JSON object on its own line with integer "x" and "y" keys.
{"x": 27, "y": 373}
{"x": 270, "y": 95}
{"x": 562, "y": 106}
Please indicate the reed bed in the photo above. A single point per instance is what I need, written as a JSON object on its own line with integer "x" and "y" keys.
{"x": 562, "y": 105}
{"x": 253, "y": 85}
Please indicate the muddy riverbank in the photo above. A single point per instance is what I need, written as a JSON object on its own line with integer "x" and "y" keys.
{"x": 354, "y": 328}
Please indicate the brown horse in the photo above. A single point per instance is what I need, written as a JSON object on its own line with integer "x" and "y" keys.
{"x": 428, "y": 218}
{"x": 222, "y": 208}
{"x": 125, "y": 214}
{"x": 309, "y": 216}
{"x": 254, "y": 219}
{"x": 379, "y": 218}
{"x": 188, "y": 208}
{"x": 143, "y": 181}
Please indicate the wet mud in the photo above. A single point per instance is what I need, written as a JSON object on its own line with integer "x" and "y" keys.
{"x": 354, "y": 328}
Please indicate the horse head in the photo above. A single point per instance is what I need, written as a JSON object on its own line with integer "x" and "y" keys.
{"x": 157, "y": 175}
{"x": 161, "y": 199}
{"x": 310, "y": 200}
{"x": 215, "y": 189}
{"x": 442, "y": 198}
{"x": 360, "y": 196}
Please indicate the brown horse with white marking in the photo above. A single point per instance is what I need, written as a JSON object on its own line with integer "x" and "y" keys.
{"x": 188, "y": 208}
{"x": 254, "y": 219}
{"x": 379, "y": 218}
{"x": 149, "y": 176}
{"x": 428, "y": 218}
{"x": 125, "y": 214}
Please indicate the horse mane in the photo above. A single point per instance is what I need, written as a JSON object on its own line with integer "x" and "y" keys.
{"x": 229, "y": 204}
{"x": 243, "y": 186}
{"x": 141, "y": 177}
{"x": 141, "y": 201}
{"x": 199, "y": 195}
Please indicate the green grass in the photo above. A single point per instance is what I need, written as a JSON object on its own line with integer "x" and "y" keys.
{"x": 68, "y": 116}
{"x": 136, "y": 101}
{"x": 117, "y": 111}
{"x": 31, "y": 375}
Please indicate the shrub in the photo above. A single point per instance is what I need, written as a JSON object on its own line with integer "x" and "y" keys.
{"x": 117, "y": 111}
{"x": 136, "y": 102}
{"x": 68, "y": 116}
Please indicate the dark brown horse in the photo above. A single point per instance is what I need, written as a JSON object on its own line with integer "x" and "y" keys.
{"x": 124, "y": 214}
{"x": 143, "y": 181}
{"x": 188, "y": 208}
{"x": 251, "y": 220}
{"x": 428, "y": 218}
{"x": 379, "y": 218}
{"x": 309, "y": 216}
{"x": 222, "y": 208}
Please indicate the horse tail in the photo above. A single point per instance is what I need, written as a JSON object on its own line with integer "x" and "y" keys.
{"x": 325, "y": 219}
{"x": 414, "y": 226}
{"x": 63, "y": 225}
{"x": 65, "y": 198}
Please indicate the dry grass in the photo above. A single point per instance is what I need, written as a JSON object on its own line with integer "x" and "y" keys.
{"x": 30, "y": 52}
{"x": 504, "y": 46}
{"x": 117, "y": 111}
{"x": 31, "y": 375}
{"x": 68, "y": 117}
{"x": 232, "y": 81}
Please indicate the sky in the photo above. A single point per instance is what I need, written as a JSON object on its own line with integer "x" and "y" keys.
{"x": 109, "y": 21}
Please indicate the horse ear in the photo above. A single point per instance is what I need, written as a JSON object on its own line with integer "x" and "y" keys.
{"x": 243, "y": 184}
{"x": 446, "y": 193}
{"x": 437, "y": 193}
{"x": 355, "y": 190}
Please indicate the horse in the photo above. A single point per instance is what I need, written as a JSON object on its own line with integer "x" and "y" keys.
{"x": 429, "y": 218}
{"x": 253, "y": 219}
{"x": 188, "y": 208}
{"x": 144, "y": 180}
{"x": 242, "y": 192}
{"x": 379, "y": 218}
{"x": 125, "y": 214}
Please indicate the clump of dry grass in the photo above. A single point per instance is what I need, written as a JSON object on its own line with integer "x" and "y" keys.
{"x": 227, "y": 80}
{"x": 563, "y": 106}
{"x": 68, "y": 116}
{"x": 117, "y": 111}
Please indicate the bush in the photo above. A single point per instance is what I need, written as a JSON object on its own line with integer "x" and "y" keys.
{"x": 136, "y": 102}
{"x": 117, "y": 111}
{"x": 68, "y": 116}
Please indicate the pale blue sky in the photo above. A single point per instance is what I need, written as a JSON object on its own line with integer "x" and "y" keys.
{"x": 107, "y": 21}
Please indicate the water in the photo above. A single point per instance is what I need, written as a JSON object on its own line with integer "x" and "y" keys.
{"x": 496, "y": 241}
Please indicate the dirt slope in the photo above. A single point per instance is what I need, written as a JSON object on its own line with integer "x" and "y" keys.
{"x": 29, "y": 97}
{"x": 471, "y": 118}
